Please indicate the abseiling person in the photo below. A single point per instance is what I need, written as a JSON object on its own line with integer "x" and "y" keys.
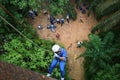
{"x": 59, "y": 57}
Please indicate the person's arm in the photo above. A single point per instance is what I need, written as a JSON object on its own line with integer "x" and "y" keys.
{"x": 57, "y": 56}
{"x": 64, "y": 56}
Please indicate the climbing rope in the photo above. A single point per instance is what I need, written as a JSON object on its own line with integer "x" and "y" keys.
{"x": 18, "y": 31}
{"x": 21, "y": 33}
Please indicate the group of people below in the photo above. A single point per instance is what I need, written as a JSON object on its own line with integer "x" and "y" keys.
{"x": 57, "y": 20}
{"x": 51, "y": 26}
{"x": 52, "y": 20}
{"x": 83, "y": 8}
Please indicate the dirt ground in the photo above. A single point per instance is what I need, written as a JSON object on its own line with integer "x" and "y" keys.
{"x": 69, "y": 35}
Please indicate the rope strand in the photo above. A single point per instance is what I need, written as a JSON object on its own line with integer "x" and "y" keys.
{"x": 21, "y": 33}
{"x": 18, "y": 31}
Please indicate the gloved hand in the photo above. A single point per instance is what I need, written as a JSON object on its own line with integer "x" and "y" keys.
{"x": 56, "y": 55}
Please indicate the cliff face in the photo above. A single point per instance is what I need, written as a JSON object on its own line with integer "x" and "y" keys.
{"x": 12, "y": 72}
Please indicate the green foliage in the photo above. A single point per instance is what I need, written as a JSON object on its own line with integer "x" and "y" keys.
{"x": 70, "y": 9}
{"x": 106, "y": 8}
{"x": 56, "y": 72}
{"x": 12, "y": 57}
{"x": 35, "y": 4}
{"x": 15, "y": 48}
{"x": 96, "y": 41}
{"x": 107, "y": 24}
{"x": 26, "y": 55}
{"x": 78, "y": 2}
{"x": 99, "y": 57}
{"x": 102, "y": 58}
{"x": 109, "y": 73}
{"x": 21, "y": 7}
{"x": 61, "y": 7}
{"x": 21, "y": 4}
{"x": 55, "y": 11}
{"x": 93, "y": 4}
{"x": 3, "y": 26}
{"x": 57, "y": 7}
{"x": 108, "y": 38}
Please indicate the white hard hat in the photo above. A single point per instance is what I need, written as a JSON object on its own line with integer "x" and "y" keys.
{"x": 55, "y": 48}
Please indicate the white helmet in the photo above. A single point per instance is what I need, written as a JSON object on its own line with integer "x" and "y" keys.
{"x": 55, "y": 48}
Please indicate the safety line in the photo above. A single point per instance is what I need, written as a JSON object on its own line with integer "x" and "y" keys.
{"x": 22, "y": 34}
{"x": 18, "y": 31}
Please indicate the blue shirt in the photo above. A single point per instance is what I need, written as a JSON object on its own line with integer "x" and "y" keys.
{"x": 63, "y": 53}
{"x": 62, "y": 20}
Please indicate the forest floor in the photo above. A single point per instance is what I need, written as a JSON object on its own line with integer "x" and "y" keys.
{"x": 69, "y": 35}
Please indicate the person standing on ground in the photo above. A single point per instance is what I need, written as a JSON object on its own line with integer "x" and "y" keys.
{"x": 51, "y": 20}
{"x": 58, "y": 21}
{"x": 62, "y": 21}
{"x": 59, "y": 56}
{"x": 31, "y": 14}
{"x": 52, "y": 27}
{"x": 40, "y": 27}
{"x": 67, "y": 18}
{"x": 58, "y": 36}
{"x": 79, "y": 44}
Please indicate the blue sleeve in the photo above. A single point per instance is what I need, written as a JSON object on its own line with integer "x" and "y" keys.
{"x": 64, "y": 54}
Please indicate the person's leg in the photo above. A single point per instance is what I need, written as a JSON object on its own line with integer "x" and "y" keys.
{"x": 31, "y": 15}
{"x": 68, "y": 20}
{"x": 52, "y": 22}
{"x": 52, "y": 66}
{"x": 62, "y": 23}
{"x": 52, "y": 29}
{"x": 58, "y": 22}
{"x": 62, "y": 66}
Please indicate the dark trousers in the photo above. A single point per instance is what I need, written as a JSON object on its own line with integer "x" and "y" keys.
{"x": 68, "y": 20}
